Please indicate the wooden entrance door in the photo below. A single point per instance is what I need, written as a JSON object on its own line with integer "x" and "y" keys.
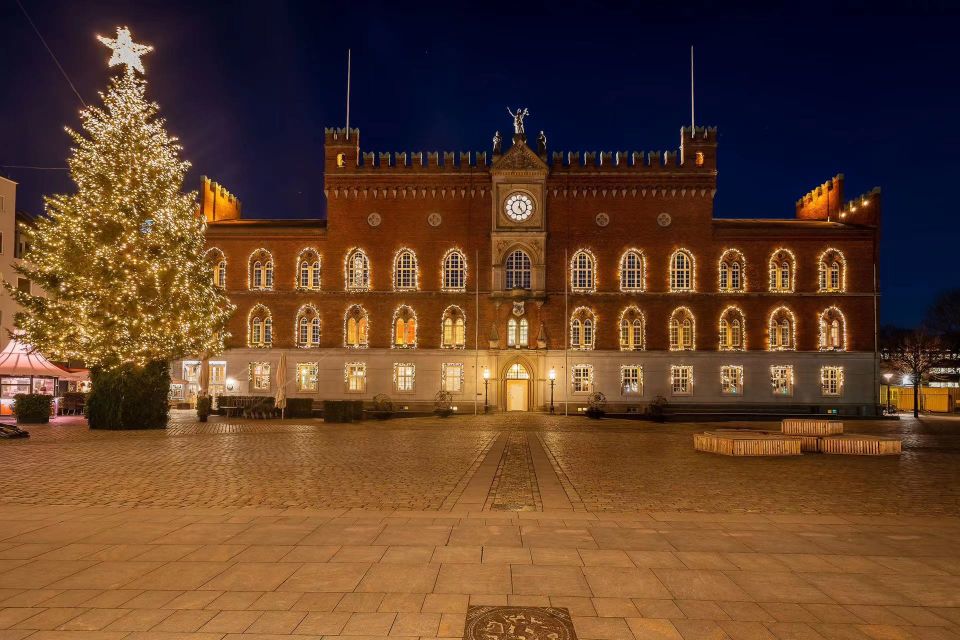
{"x": 517, "y": 395}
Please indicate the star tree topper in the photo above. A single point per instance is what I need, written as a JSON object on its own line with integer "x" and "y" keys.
{"x": 125, "y": 50}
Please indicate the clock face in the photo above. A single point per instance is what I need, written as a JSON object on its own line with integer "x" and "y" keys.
{"x": 518, "y": 207}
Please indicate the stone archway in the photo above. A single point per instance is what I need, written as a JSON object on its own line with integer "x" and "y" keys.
{"x": 517, "y": 387}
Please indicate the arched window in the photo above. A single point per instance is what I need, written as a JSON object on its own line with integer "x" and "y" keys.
{"x": 517, "y": 270}
{"x": 583, "y": 268}
{"x": 632, "y": 271}
{"x": 454, "y": 328}
{"x": 833, "y": 334}
{"x": 218, "y": 265}
{"x": 781, "y": 330}
{"x": 405, "y": 270}
{"x": 582, "y": 329}
{"x": 356, "y": 274}
{"x": 308, "y": 270}
{"x": 260, "y": 327}
{"x": 632, "y": 330}
{"x": 404, "y": 328}
{"x": 308, "y": 327}
{"x": 454, "y": 271}
{"x": 832, "y": 271}
{"x": 355, "y": 327}
{"x": 682, "y": 330}
{"x": 731, "y": 271}
{"x": 732, "y": 330}
{"x": 261, "y": 270}
{"x": 681, "y": 271}
{"x": 782, "y": 266}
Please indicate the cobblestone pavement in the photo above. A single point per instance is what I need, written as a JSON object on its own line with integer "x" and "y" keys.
{"x": 260, "y": 531}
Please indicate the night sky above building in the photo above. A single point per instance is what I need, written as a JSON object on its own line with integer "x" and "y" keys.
{"x": 249, "y": 88}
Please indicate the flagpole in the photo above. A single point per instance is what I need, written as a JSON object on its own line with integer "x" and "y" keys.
{"x": 692, "y": 119}
{"x": 348, "y": 94}
{"x": 566, "y": 342}
{"x": 476, "y": 335}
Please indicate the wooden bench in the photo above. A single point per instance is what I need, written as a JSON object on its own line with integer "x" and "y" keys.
{"x": 856, "y": 444}
{"x": 811, "y": 427}
{"x": 746, "y": 442}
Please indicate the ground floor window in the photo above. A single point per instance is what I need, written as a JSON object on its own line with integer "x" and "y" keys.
{"x": 12, "y": 386}
{"x": 176, "y": 391}
{"x": 307, "y": 375}
{"x": 218, "y": 377}
{"x": 781, "y": 377}
{"x": 404, "y": 376}
{"x": 731, "y": 380}
{"x": 631, "y": 380}
{"x": 831, "y": 381}
{"x": 260, "y": 376}
{"x": 451, "y": 377}
{"x": 681, "y": 378}
{"x": 355, "y": 375}
{"x": 583, "y": 378}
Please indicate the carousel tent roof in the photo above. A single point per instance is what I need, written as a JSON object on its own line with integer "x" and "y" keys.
{"x": 19, "y": 359}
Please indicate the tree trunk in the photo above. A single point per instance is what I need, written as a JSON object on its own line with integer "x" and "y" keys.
{"x": 916, "y": 396}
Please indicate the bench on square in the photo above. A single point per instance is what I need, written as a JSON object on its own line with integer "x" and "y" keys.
{"x": 747, "y": 442}
{"x": 857, "y": 444}
{"x": 811, "y": 427}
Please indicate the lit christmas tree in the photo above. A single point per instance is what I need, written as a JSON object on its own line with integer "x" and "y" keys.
{"x": 121, "y": 261}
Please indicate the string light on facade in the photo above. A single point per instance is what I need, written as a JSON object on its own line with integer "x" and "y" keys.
{"x": 775, "y": 330}
{"x": 217, "y": 261}
{"x": 309, "y": 313}
{"x": 443, "y": 374}
{"x": 731, "y": 377}
{"x": 357, "y": 271}
{"x": 314, "y": 270}
{"x": 262, "y": 260}
{"x": 828, "y": 341}
{"x": 682, "y": 321}
{"x": 732, "y": 266}
{"x": 408, "y": 340}
{"x": 262, "y": 313}
{"x": 406, "y": 277}
{"x": 632, "y": 270}
{"x": 824, "y": 271}
{"x": 397, "y": 366}
{"x": 583, "y": 329}
{"x": 453, "y": 328}
{"x": 683, "y": 278}
{"x": 729, "y": 331}
{"x": 360, "y": 326}
{"x": 125, "y": 50}
{"x": 777, "y": 258}
{"x": 630, "y": 315}
{"x": 583, "y": 271}
{"x": 457, "y": 280}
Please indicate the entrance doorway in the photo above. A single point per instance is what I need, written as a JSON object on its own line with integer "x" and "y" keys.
{"x": 518, "y": 388}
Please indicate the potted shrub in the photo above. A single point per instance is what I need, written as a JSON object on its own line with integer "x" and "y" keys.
{"x": 656, "y": 409}
{"x": 204, "y": 404}
{"x": 443, "y": 404}
{"x": 595, "y": 405}
{"x": 382, "y": 406}
{"x": 32, "y": 408}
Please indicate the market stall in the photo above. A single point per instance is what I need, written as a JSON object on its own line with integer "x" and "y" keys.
{"x": 23, "y": 370}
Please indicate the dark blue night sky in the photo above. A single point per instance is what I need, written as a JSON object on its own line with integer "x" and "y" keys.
{"x": 797, "y": 97}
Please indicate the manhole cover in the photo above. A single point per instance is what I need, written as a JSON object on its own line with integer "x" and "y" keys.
{"x": 518, "y": 623}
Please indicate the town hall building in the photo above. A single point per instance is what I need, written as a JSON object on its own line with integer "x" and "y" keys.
{"x": 524, "y": 276}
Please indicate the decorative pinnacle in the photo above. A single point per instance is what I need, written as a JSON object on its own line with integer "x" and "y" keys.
{"x": 125, "y": 50}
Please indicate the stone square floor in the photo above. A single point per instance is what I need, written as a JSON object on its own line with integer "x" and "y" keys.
{"x": 393, "y": 529}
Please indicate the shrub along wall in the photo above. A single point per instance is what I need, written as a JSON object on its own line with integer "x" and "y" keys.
{"x": 32, "y": 408}
{"x": 130, "y": 397}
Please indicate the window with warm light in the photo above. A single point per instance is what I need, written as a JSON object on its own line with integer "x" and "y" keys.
{"x": 731, "y": 271}
{"x": 781, "y": 378}
{"x": 355, "y": 376}
{"x": 355, "y": 327}
{"x": 404, "y": 377}
{"x": 681, "y": 271}
{"x": 781, "y": 330}
{"x": 682, "y": 330}
{"x": 731, "y": 380}
{"x": 404, "y": 328}
{"x": 831, "y": 381}
{"x": 260, "y": 376}
{"x": 632, "y": 331}
{"x": 356, "y": 271}
{"x": 307, "y": 376}
{"x": 308, "y": 327}
{"x": 218, "y": 264}
{"x": 632, "y": 276}
{"x": 830, "y": 267}
{"x": 582, "y": 327}
{"x": 451, "y": 377}
{"x": 832, "y": 330}
{"x": 405, "y": 271}
{"x": 583, "y": 272}
{"x": 260, "y": 327}
{"x": 732, "y": 330}
{"x": 453, "y": 328}
{"x": 261, "y": 270}
{"x": 782, "y": 265}
{"x": 681, "y": 380}
{"x": 631, "y": 380}
{"x": 518, "y": 332}
{"x": 582, "y": 378}
{"x": 308, "y": 270}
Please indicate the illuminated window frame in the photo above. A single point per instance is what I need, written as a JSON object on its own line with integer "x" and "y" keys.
{"x": 824, "y": 336}
{"x": 583, "y": 329}
{"x": 265, "y": 258}
{"x": 518, "y": 270}
{"x": 404, "y": 377}
{"x": 637, "y": 272}
{"x": 682, "y": 279}
{"x": 217, "y": 259}
{"x": 630, "y": 315}
{"x": 314, "y": 270}
{"x": 259, "y": 376}
{"x": 823, "y": 271}
{"x": 681, "y": 380}
{"x": 459, "y": 272}
{"x": 731, "y": 380}
{"x": 445, "y": 378}
{"x": 583, "y": 272}
{"x": 406, "y": 277}
{"x": 831, "y": 381}
{"x": 355, "y": 377}
{"x": 772, "y": 331}
{"x": 775, "y": 266}
{"x": 362, "y": 322}
{"x": 406, "y": 313}
{"x": 261, "y": 312}
{"x": 581, "y": 378}
{"x": 453, "y": 313}
{"x": 350, "y": 280}
{"x": 731, "y": 258}
{"x": 786, "y": 379}
{"x": 679, "y": 344}
{"x": 307, "y": 376}
{"x": 727, "y": 329}
{"x": 314, "y": 327}
{"x": 631, "y": 374}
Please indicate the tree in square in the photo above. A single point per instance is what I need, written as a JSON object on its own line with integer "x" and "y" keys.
{"x": 121, "y": 260}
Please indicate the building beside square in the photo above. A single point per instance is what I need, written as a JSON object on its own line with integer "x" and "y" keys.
{"x": 519, "y": 273}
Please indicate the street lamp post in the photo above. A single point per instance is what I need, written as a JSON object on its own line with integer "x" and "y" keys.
{"x": 553, "y": 381}
{"x": 486, "y": 381}
{"x": 887, "y": 377}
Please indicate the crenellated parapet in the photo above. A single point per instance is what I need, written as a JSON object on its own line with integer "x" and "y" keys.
{"x": 823, "y": 202}
{"x": 863, "y": 209}
{"x": 216, "y": 203}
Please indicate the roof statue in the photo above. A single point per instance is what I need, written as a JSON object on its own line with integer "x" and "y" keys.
{"x": 518, "y": 120}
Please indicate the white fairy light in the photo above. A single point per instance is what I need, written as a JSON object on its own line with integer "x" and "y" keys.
{"x": 679, "y": 315}
{"x": 125, "y": 50}
{"x": 444, "y": 282}
{"x": 591, "y": 271}
{"x": 823, "y": 270}
{"x": 774, "y": 340}
{"x": 311, "y": 256}
{"x": 351, "y": 280}
{"x": 362, "y": 320}
{"x": 731, "y": 256}
{"x": 673, "y": 274}
{"x": 263, "y": 313}
{"x": 582, "y": 315}
{"x": 630, "y": 314}
{"x": 453, "y": 312}
{"x": 779, "y": 256}
{"x": 738, "y": 315}
{"x": 621, "y": 271}
{"x": 406, "y": 314}
{"x": 827, "y": 316}
{"x": 309, "y": 312}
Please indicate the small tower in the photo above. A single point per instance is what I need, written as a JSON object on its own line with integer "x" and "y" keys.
{"x": 341, "y": 152}
{"x": 698, "y": 147}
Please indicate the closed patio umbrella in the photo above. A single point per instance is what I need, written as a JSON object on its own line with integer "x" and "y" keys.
{"x": 281, "y": 398}
{"x": 204, "y": 380}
